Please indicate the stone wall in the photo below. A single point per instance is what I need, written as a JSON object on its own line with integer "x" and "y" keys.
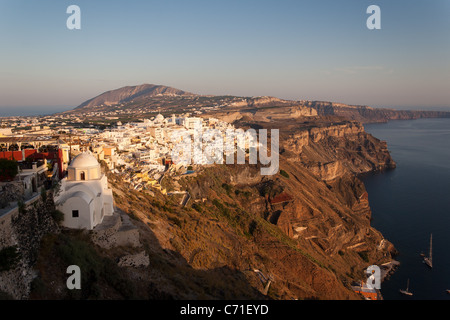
{"x": 116, "y": 231}
{"x": 25, "y": 229}
{"x": 10, "y": 192}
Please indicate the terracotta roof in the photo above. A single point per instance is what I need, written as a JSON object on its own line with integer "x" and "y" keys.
{"x": 23, "y": 139}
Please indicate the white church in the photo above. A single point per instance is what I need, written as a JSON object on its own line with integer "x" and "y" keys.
{"x": 84, "y": 196}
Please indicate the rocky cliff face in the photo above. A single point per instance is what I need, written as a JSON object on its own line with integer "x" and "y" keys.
{"x": 338, "y": 149}
{"x": 265, "y": 114}
{"x": 327, "y": 222}
{"x": 308, "y": 228}
{"x": 10, "y": 192}
{"x": 260, "y": 102}
{"x": 367, "y": 114}
{"x": 23, "y": 230}
{"x": 226, "y": 230}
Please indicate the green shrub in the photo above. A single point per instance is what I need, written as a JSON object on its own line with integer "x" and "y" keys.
{"x": 247, "y": 194}
{"x": 43, "y": 195}
{"x": 9, "y": 256}
{"x": 77, "y": 252}
{"x": 21, "y": 205}
{"x": 364, "y": 256}
{"x": 38, "y": 286}
{"x": 284, "y": 174}
{"x": 197, "y": 207}
{"x": 167, "y": 208}
{"x": 219, "y": 205}
{"x": 227, "y": 187}
{"x": 8, "y": 169}
{"x": 58, "y": 216}
{"x": 252, "y": 227}
{"x": 5, "y": 296}
{"x": 174, "y": 220}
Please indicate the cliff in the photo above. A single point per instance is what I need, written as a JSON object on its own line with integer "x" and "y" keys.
{"x": 308, "y": 228}
{"x": 367, "y": 114}
{"x": 336, "y": 150}
{"x": 20, "y": 234}
{"x": 257, "y": 102}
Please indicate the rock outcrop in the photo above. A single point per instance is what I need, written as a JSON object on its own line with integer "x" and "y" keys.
{"x": 256, "y": 102}
{"x": 367, "y": 114}
{"x": 24, "y": 229}
{"x": 10, "y": 192}
{"x": 337, "y": 149}
{"x": 140, "y": 259}
{"x": 115, "y": 231}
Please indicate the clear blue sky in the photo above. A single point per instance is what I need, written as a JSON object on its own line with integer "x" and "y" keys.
{"x": 318, "y": 50}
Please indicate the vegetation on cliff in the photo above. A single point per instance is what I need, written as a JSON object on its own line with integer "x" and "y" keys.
{"x": 8, "y": 169}
{"x": 307, "y": 228}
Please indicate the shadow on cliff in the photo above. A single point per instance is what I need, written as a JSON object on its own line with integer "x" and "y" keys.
{"x": 168, "y": 277}
{"x": 179, "y": 280}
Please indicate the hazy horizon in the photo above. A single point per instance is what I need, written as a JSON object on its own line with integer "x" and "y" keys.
{"x": 24, "y": 111}
{"x": 296, "y": 50}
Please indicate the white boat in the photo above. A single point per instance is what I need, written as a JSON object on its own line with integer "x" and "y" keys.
{"x": 406, "y": 292}
{"x": 429, "y": 260}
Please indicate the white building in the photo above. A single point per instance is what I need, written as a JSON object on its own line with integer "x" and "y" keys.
{"x": 33, "y": 176}
{"x": 84, "y": 197}
{"x": 159, "y": 119}
{"x": 192, "y": 123}
{"x": 5, "y": 132}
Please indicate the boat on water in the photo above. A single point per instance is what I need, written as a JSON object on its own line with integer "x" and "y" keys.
{"x": 406, "y": 292}
{"x": 429, "y": 260}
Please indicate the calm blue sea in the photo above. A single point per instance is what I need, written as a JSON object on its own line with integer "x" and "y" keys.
{"x": 412, "y": 202}
{"x": 30, "y": 111}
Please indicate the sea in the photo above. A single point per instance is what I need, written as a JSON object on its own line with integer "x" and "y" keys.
{"x": 31, "y": 111}
{"x": 412, "y": 202}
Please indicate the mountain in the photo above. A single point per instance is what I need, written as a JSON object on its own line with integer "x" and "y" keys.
{"x": 131, "y": 94}
{"x": 150, "y": 98}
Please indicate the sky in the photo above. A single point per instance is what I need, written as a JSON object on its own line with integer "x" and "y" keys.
{"x": 291, "y": 49}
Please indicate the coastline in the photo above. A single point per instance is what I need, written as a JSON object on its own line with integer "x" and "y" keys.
{"x": 388, "y": 269}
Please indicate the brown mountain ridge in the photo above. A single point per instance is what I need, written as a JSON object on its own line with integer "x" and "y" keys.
{"x": 131, "y": 94}
{"x": 151, "y": 98}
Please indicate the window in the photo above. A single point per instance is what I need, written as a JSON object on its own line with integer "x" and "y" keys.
{"x": 75, "y": 214}
{"x": 83, "y": 176}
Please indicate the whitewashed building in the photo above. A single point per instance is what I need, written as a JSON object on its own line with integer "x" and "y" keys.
{"x": 84, "y": 196}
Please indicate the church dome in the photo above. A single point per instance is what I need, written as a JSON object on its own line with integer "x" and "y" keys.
{"x": 84, "y": 160}
{"x": 159, "y": 118}
{"x": 84, "y": 167}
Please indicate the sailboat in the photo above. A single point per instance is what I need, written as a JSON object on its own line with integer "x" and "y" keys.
{"x": 406, "y": 292}
{"x": 429, "y": 260}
